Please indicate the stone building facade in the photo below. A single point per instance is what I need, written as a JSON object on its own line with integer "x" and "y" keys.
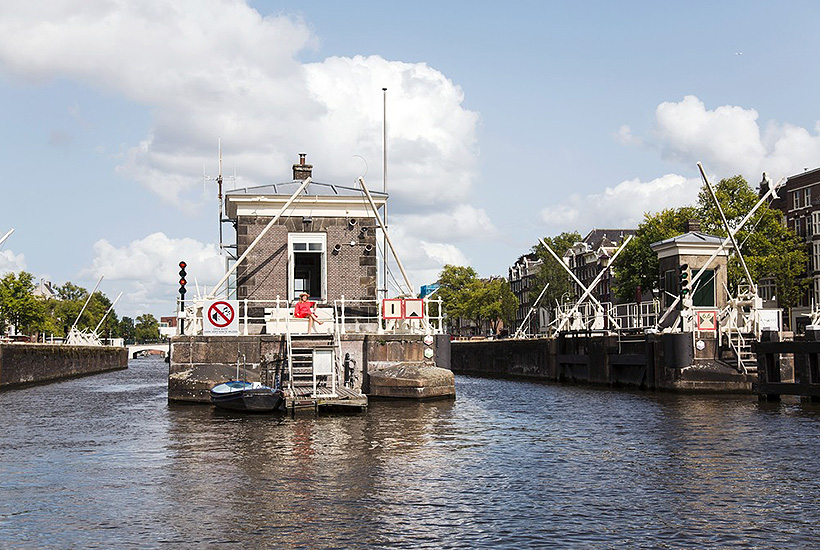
{"x": 324, "y": 243}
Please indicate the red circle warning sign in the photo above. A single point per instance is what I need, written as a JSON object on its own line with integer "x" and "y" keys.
{"x": 221, "y": 314}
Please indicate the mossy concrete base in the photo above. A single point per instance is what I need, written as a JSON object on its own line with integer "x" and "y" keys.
{"x": 412, "y": 380}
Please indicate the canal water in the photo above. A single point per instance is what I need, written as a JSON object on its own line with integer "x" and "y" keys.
{"x": 106, "y": 462}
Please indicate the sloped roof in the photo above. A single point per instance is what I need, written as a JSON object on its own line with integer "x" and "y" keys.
{"x": 314, "y": 188}
{"x": 693, "y": 237}
{"x": 596, "y": 237}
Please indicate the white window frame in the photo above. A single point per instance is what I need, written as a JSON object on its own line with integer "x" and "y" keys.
{"x": 766, "y": 288}
{"x": 816, "y": 256}
{"x": 815, "y": 223}
{"x": 796, "y": 199}
{"x": 807, "y": 196}
{"x": 319, "y": 244}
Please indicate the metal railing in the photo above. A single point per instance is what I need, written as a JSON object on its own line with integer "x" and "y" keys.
{"x": 607, "y": 316}
{"x": 347, "y": 316}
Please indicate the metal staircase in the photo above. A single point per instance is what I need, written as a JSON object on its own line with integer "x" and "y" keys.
{"x": 312, "y": 369}
{"x": 741, "y": 346}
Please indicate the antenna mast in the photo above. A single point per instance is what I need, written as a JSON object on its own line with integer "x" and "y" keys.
{"x": 219, "y": 192}
{"x": 384, "y": 184}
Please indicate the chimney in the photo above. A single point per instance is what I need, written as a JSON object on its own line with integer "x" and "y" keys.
{"x": 302, "y": 171}
{"x": 691, "y": 226}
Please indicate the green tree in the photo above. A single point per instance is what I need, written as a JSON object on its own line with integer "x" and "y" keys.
{"x": 127, "y": 330}
{"x": 769, "y": 248}
{"x": 550, "y": 271}
{"x": 18, "y": 306}
{"x": 453, "y": 282}
{"x": 492, "y": 301}
{"x": 638, "y": 265}
{"x": 146, "y": 329}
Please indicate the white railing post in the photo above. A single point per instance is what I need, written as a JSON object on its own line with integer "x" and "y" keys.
{"x": 343, "y": 317}
{"x": 246, "y": 317}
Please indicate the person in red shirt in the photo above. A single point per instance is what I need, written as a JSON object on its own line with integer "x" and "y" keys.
{"x": 304, "y": 309}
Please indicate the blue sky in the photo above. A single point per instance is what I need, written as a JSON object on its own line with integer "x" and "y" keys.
{"x": 505, "y": 123}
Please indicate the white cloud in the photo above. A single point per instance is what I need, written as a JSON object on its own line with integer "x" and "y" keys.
{"x": 11, "y": 262}
{"x": 456, "y": 224}
{"x": 147, "y": 270}
{"x": 729, "y": 140}
{"x": 622, "y": 206}
{"x": 209, "y": 68}
{"x": 625, "y": 136}
{"x": 216, "y": 68}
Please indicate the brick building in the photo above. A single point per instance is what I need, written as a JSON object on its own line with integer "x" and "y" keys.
{"x": 522, "y": 283}
{"x": 799, "y": 200}
{"x": 591, "y": 255}
{"x": 323, "y": 244}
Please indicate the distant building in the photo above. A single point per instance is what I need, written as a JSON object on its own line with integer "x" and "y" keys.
{"x": 44, "y": 290}
{"x": 799, "y": 200}
{"x": 522, "y": 283}
{"x": 588, "y": 257}
{"x": 167, "y": 326}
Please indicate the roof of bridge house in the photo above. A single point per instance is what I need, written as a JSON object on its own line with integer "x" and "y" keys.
{"x": 313, "y": 189}
{"x": 692, "y": 237}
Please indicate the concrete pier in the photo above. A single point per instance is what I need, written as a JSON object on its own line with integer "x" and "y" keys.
{"x": 22, "y": 364}
{"x": 664, "y": 362}
{"x": 368, "y": 362}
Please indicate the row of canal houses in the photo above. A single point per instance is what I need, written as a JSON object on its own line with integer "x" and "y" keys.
{"x": 798, "y": 199}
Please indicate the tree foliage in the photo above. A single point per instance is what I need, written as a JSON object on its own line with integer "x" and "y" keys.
{"x": 53, "y": 316}
{"x": 466, "y": 296}
{"x": 638, "y": 265}
{"x": 146, "y": 329}
{"x": 18, "y": 306}
{"x": 453, "y": 281}
{"x": 769, "y": 248}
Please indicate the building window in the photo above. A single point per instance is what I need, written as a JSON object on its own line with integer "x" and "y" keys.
{"x": 307, "y": 265}
{"x": 704, "y": 295}
{"x": 816, "y": 290}
{"x": 766, "y": 289}
{"x": 816, "y": 256}
{"x": 807, "y": 196}
{"x": 815, "y": 223}
{"x": 796, "y": 196}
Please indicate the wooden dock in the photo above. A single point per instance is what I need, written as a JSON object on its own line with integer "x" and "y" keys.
{"x": 301, "y": 398}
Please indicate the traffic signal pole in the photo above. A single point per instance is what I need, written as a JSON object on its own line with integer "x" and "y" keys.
{"x": 182, "y": 283}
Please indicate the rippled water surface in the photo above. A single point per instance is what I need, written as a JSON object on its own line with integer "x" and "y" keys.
{"x": 106, "y": 462}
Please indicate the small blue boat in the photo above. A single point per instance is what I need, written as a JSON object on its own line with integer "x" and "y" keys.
{"x": 238, "y": 395}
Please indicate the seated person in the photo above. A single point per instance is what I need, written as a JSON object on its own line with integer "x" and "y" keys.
{"x": 304, "y": 309}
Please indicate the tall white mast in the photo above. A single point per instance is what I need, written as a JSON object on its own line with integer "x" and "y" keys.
{"x": 384, "y": 184}
{"x": 6, "y": 236}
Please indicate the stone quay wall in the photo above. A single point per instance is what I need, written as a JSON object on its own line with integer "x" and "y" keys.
{"x": 662, "y": 362}
{"x": 22, "y": 364}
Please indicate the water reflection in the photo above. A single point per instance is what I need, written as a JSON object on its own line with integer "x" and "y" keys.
{"x": 106, "y": 462}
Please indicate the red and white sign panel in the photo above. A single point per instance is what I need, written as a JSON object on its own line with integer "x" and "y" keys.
{"x": 391, "y": 308}
{"x": 221, "y": 317}
{"x": 706, "y": 320}
{"x": 413, "y": 308}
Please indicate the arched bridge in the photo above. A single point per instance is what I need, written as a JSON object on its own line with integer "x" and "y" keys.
{"x": 143, "y": 350}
